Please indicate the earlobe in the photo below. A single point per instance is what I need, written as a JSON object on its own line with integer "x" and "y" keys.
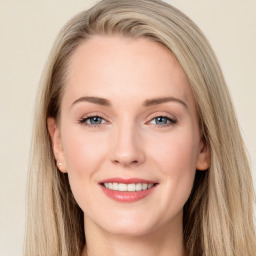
{"x": 57, "y": 148}
{"x": 204, "y": 157}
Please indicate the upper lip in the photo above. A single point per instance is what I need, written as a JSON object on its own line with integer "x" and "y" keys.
{"x": 126, "y": 180}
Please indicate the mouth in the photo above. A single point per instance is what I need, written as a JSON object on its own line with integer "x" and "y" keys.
{"x": 130, "y": 187}
{"x": 127, "y": 190}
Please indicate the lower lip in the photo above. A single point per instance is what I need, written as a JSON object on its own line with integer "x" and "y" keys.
{"x": 127, "y": 196}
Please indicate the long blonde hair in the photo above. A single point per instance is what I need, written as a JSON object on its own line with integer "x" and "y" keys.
{"x": 218, "y": 217}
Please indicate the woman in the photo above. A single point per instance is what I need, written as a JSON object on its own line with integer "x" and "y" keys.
{"x": 136, "y": 147}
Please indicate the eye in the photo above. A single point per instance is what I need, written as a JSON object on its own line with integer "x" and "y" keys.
{"x": 92, "y": 121}
{"x": 163, "y": 121}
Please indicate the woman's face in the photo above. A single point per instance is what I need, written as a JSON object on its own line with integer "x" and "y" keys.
{"x": 128, "y": 119}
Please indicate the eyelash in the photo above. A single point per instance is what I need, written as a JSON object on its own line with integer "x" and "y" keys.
{"x": 88, "y": 117}
{"x": 170, "y": 120}
{"x": 83, "y": 120}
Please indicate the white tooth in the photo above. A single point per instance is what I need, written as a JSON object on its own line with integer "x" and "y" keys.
{"x": 144, "y": 186}
{"x": 128, "y": 187}
{"x": 138, "y": 186}
{"x": 115, "y": 186}
{"x": 122, "y": 187}
{"x": 150, "y": 185}
{"x": 131, "y": 187}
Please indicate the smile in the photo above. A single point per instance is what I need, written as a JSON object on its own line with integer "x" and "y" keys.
{"x": 128, "y": 187}
{"x": 127, "y": 190}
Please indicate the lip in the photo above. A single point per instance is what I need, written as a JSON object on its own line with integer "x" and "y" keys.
{"x": 127, "y": 196}
{"x": 126, "y": 181}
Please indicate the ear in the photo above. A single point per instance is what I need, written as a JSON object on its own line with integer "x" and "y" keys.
{"x": 57, "y": 148}
{"x": 204, "y": 157}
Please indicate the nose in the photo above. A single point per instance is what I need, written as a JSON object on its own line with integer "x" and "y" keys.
{"x": 127, "y": 146}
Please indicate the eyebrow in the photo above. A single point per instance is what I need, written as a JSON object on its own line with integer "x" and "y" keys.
{"x": 156, "y": 101}
{"x": 147, "y": 103}
{"x": 95, "y": 100}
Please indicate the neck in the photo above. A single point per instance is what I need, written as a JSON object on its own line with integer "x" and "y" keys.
{"x": 164, "y": 241}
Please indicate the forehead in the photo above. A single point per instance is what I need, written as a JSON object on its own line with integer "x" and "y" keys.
{"x": 115, "y": 66}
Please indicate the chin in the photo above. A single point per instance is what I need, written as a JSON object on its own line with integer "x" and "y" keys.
{"x": 129, "y": 225}
{"x": 128, "y": 230}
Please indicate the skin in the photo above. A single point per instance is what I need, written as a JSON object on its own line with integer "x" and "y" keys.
{"x": 130, "y": 142}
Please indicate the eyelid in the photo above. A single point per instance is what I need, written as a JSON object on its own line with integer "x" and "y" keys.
{"x": 92, "y": 114}
{"x": 83, "y": 119}
{"x": 171, "y": 118}
{"x": 161, "y": 114}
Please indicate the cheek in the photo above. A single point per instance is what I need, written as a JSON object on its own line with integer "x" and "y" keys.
{"x": 84, "y": 154}
{"x": 82, "y": 151}
{"x": 176, "y": 153}
{"x": 176, "y": 157}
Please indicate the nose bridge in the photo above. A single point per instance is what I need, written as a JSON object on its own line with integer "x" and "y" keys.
{"x": 127, "y": 147}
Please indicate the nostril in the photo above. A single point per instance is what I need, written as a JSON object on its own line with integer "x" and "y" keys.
{"x": 125, "y": 161}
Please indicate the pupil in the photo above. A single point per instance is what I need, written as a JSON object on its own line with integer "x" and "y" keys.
{"x": 96, "y": 120}
{"x": 161, "y": 120}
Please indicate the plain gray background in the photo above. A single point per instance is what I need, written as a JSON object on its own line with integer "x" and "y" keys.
{"x": 27, "y": 31}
